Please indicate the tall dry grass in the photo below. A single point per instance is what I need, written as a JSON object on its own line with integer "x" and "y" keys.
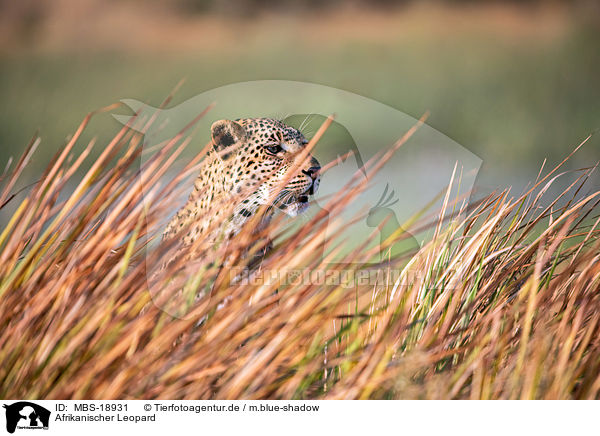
{"x": 502, "y": 303}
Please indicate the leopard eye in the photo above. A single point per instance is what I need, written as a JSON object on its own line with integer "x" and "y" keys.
{"x": 273, "y": 148}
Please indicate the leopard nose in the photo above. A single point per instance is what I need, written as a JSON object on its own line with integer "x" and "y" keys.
{"x": 312, "y": 172}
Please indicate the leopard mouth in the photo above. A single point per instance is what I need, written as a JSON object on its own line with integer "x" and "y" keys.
{"x": 293, "y": 204}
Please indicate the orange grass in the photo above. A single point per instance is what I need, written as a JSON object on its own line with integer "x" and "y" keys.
{"x": 502, "y": 303}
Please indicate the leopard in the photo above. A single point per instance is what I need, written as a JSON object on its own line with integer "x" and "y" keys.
{"x": 253, "y": 166}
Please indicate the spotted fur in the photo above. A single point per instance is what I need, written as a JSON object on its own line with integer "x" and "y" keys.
{"x": 249, "y": 159}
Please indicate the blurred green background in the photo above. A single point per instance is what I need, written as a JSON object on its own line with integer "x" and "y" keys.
{"x": 513, "y": 82}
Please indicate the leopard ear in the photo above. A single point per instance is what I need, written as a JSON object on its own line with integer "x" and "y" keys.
{"x": 226, "y": 133}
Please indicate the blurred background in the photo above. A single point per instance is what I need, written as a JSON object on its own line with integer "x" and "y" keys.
{"x": 513, "y": 82}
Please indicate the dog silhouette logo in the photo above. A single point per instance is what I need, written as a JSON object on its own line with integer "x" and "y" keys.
{"x": 26, "y": 415}
{"x": 382, "y": 216}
